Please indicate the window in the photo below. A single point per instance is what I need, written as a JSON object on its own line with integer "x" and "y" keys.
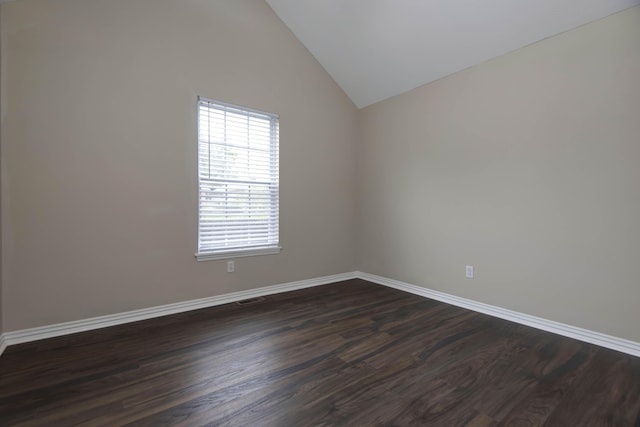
{"x": 237, "y": 181}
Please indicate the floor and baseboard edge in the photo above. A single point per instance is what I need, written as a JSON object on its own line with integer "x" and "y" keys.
{"x": 3, "y": 344}
{"x": 603, "y": 340}
{"x": 50, "y": 331}
{"x": 59, "y": 329}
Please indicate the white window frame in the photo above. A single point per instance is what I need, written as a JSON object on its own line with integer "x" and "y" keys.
{"x": 205, "y": 253}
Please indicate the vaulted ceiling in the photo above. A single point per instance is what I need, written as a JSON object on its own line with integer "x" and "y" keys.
{"x": 375, "y": 49}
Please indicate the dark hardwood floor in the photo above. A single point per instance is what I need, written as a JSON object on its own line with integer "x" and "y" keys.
{"x": 350, "y": 353}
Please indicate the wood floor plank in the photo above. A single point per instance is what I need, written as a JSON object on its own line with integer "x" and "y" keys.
{"x": 349, "y": 353}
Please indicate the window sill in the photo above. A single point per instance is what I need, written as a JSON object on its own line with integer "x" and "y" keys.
{"x": 238, "y": 253}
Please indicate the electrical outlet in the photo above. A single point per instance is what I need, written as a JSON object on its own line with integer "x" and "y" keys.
{"x": 231, "y": 266}
{"x": 469, "y": 272}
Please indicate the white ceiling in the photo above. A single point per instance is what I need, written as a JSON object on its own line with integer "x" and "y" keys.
{"x": 375, "y": 49}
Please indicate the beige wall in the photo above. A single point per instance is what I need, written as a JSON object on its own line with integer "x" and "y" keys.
{"x": 99, "y": 152}
{"x": 527, "y": 167}
{"x": 1, "y": 162}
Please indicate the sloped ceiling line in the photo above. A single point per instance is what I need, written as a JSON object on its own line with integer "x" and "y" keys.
{"x": 376, "y": 49}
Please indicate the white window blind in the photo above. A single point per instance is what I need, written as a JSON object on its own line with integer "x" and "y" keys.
{"x": 238, "y": 181}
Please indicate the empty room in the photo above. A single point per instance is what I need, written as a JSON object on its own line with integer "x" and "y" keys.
{"x": 319, "y": 213}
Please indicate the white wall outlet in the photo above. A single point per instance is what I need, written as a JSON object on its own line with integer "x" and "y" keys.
{"x": 469, "y": 272}
{"x": 231, "y": 266}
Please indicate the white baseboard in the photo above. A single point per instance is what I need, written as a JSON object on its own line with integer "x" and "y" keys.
{"x": 607, "y": 341}
{"x": 50, "y": 331}
{"x": 3, "y": 344}
{"x": 59, "y": 329}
